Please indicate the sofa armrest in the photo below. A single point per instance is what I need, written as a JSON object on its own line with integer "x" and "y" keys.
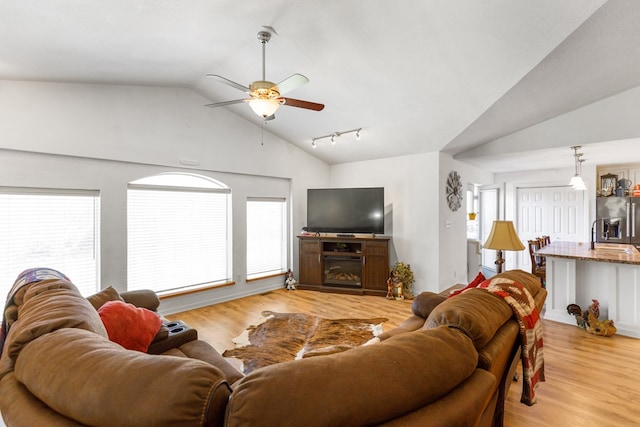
{"x": 411, "y": 324}
{"x": 172, "y": 334}
{"x": 71, "y": 369}
{"x": 425, "y": 302}
{"x": 144, "y": 298}
{"x": 465, "y": 405}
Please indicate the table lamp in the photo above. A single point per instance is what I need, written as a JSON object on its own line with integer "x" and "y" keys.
{"x": 503, "y": 237}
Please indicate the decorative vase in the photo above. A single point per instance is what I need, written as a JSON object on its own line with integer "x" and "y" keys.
{"x": 472, "y": 216}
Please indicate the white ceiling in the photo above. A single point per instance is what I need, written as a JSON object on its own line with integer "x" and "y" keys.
{"x": 417, "y": 76}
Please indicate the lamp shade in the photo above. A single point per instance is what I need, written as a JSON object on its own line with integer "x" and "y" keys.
{"x": 503, "y": 236}
{"x": 577, "y": 183}
{"x": 264, "y": 107}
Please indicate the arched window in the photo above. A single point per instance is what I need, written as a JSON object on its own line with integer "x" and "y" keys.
{"x": 178, "y": 232}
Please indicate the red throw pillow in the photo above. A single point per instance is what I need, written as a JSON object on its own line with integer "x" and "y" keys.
{"x": 473, "y": 284}
{"x": 132, "y": 327}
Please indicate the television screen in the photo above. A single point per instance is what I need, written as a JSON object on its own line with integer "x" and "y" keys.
{"x": 345, "y": 210}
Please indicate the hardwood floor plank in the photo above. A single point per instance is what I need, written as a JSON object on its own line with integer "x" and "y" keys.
{"x": 590, "y": 380}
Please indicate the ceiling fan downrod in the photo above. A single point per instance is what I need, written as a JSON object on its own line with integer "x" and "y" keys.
{"x": 264, "y": 37}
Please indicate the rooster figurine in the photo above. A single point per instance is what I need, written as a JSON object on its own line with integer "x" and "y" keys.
{"x": 581, "y": 319}
{"x": 588, "y": 319}
{"x": 603, "y": 328}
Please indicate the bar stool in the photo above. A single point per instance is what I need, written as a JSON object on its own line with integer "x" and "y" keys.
{"x": 538, "y": 267}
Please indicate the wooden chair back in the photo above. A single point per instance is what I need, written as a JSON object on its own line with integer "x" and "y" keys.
{"x": 538, "y": 267}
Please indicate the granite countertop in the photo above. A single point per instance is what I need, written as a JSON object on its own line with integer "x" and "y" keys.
{"x": 604, "y": 252}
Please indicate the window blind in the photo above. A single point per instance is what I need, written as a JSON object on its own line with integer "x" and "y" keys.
{"x": 266, "y": 237}
{"x": 176, "y": 237}
{"x": 57, "y": 229}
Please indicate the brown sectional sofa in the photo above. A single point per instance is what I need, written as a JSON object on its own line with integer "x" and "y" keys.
{"x": 58, "y": 368}
{"x": 447, "y": 365}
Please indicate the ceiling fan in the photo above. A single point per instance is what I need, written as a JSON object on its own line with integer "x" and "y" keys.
{"x": 265, "y": 97}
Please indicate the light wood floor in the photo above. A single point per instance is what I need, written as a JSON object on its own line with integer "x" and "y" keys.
{"x": 589, "y": 380}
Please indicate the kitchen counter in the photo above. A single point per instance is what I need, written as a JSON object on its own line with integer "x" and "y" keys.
{"x": 610, "y": 273}
{"x": 604, "y": 252}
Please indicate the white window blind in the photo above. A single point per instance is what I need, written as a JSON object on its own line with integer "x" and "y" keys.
{"x": 266, "y": 237}
{"x": 57, "y": 229}
{"x": 177, "y": 236}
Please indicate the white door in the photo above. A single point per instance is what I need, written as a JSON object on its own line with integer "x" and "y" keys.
{"x": 554, "y": 211}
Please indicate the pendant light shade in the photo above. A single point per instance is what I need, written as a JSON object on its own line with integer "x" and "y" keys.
{"x": 576, "y": 181}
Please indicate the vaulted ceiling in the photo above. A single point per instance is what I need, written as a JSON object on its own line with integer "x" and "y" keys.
{"x": 417, "y": 76}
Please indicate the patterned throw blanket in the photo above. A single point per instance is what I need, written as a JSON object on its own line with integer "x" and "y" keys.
{"x": 525, "y": 311}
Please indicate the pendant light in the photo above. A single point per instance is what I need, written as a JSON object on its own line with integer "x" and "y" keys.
{"x": 576, "y": 181}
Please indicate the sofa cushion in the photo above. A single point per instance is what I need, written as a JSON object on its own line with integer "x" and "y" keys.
{"x": 108, "y": 294}
{"x": 47, "y": 306}
{"x": 476, "y": 312}
{"x": 94, "y": 381}
{"x": 425, "y": 302}
{"x": 142, "y": 298}
{"x": 21, "y": 408}
{"x": 362, "y": 386}
{"x": 201, "y": 350}
{"x": 132, "y": 327}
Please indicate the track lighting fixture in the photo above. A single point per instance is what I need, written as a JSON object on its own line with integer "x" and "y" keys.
{"x": 335, "y": 135}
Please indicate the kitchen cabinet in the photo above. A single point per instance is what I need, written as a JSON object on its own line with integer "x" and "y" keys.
{"x": 578, "y": 275}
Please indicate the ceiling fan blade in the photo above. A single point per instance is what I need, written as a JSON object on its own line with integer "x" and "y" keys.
{"x": 223, "y": 103}
{"x": 291, "y": 82}
{"x": 229, "y": 82}
{"x": 303, "y": 104}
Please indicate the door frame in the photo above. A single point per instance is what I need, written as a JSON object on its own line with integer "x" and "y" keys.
{"x": 488, "y": 256}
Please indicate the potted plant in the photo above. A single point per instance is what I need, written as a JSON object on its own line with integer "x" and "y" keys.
{"x": 401, "y": 274}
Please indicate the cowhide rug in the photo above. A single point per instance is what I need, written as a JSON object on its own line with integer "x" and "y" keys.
{"x": 288, "y": 336}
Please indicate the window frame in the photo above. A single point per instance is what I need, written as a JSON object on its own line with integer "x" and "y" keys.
{"x": 213, "y": 187}
{"x": 83, "y": 284}
{"x": 284, "y": 240}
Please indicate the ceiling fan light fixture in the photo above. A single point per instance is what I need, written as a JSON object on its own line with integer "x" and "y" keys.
{"x": 265, "y": 96}
{"x": 264, "y": 107}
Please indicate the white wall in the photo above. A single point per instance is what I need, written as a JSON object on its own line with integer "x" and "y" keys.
{"x": 100, "y": 137}
{"x": 415, "y": 195}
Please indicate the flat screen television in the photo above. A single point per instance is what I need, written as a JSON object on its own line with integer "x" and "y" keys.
{"x": 345, "y": 210}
